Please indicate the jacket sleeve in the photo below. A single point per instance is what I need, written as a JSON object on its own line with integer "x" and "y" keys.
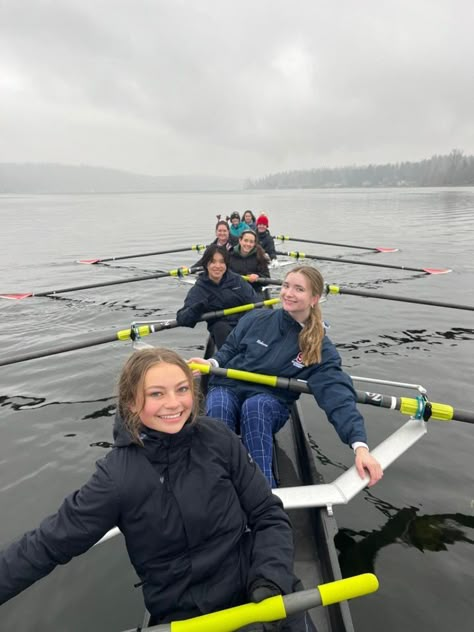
{"x": 193, "y": 308}
{"x": 271, "y": 252}
{"x": 335, "y": 394}
{"x": 231, "y": 346}
{"x": 272, "y": 551}
{"x": 83, "y": 518}
{"x": 248, "y": 294}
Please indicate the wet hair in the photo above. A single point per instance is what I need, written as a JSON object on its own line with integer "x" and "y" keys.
{"x": 312, "y": 334}
{"x": 222, "y": 222}
{"x": 211, "y": 251}
{"x": 260, "y": 252}
{"x": 251, "y": 215}
{"x": 131, "y": 385}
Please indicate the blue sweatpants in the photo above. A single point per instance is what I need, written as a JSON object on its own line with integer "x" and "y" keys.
{"x": 257, "y": 419}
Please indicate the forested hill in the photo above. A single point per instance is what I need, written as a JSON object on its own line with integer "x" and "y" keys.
{"x": 454, "y": 169}
{"x": 55, "y": 178}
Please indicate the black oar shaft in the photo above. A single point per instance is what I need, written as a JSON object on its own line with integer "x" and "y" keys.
{"x": 323, "y": 243}
{"x": 125, "y": 334}
{"x": 151, "y": 254}
{"x": 441, "y": 412}
{"x": 298, "y": 255}
{"x": 55, "y": 350}
{"x": 146, "y": 277}
{"x": 335, "y": 289}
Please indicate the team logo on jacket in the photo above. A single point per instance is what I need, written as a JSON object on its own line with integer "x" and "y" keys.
{"x": 298, "y": 361}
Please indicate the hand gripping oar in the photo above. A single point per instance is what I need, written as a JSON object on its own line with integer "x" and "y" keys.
{"x": 197, "y": 247}
{"x": 274, "y": 608}
{"x": 330, "y": 243}
{"x": 132, "y": 333}
{"x": 406, "y": 405}
{"x": 179, "y": 272}
{"x": 302, "y": 255}
{"x": 335, "y": 289}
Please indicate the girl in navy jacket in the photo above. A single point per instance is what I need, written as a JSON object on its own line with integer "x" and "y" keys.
{"x": 288, "y": 342}
{"x": 201, "y": 526}
{"x": 216, "y": 288}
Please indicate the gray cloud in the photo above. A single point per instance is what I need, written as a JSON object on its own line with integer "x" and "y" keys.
{"x": 219, "y": 87}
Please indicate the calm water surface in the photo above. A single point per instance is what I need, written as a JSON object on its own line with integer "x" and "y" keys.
{"x": 415, "y": 529}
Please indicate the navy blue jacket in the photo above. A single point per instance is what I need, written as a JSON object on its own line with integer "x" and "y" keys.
{"x": 266, "y": 341}
{"x": 199, "y": 520}
{"x": 207, "y": 296}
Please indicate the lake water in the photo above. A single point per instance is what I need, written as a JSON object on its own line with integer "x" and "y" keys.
{"x": 415, "y": 529}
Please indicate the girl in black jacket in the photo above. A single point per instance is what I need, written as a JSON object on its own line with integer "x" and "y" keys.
{"x": 249, "y": 258}
{"x": 201, "y": 526}
{"x": 216, "y": 288}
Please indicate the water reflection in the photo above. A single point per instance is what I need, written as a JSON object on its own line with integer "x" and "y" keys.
{"x": 428, "y": 532}
{"x": 23, "y": 402}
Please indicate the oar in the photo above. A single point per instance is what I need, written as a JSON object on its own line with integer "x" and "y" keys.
{"x": 197, "y": 247}
{"x": 160, "y": 275}
{"x": 335, "y": 289}
{"x": 132, "y": 333}
{"x": 406, "y": 405}
{"x": 302, "y": 255}
{"x": 274, "y": 608}
{"x": 330, "y": 243}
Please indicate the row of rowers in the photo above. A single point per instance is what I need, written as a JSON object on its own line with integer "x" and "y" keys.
{"x": 221, "y": 284}
{"x": 229, "y": 235}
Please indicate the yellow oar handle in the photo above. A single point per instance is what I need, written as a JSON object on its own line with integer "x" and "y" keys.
{"x": 236, "y": 374}
{"x": 234, "y": 618}
{"x": 248, "y": 306}
{"x": 275, "y": 608}
{"x": 349, "y": 588}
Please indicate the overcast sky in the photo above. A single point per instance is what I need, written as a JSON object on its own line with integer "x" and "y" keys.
{"x": 237, "y": 88}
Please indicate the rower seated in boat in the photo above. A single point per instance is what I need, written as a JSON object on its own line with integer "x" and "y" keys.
{"x": 217, "y": 288}
{"x": 202, "y": 528}
{"x": 249, "y": 258}
{"x": 289, "y": 342}
{"x": 264, "y": 238}
{"x": 223, "y": 239}
{"x": 249, "y": 219}
{"x": 236, "y": 226}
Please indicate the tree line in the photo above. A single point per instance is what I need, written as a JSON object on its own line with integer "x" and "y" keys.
{"x": 453, "y": 169}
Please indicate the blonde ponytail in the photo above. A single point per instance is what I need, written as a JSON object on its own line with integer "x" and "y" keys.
{"x": 311, "y": 337}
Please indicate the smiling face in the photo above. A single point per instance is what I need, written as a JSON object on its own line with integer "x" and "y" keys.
{"x": 247, "y": 242}
{"x": 167, "y": 401}
{"x": 296, "y": 296}
{"x": 222, "y": 234}
{"x": 216, "y": 267}
{"x": 248, "y": 217}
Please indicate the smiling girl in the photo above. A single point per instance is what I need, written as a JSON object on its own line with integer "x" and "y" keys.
{"x": 202, "y": 528}
{"x": 289, "y": 342}
{"x": 249, "y": 258}
{"x": 216, "y": 288}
